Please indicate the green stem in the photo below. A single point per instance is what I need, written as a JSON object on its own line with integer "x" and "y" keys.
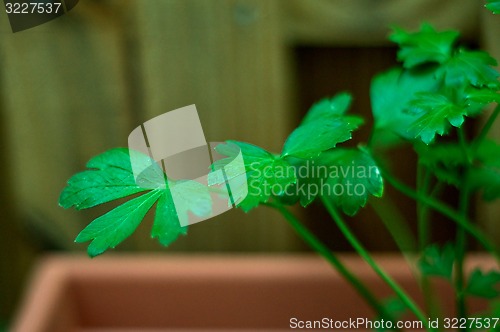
{"x": 461, "y": 247}
{"x": 319, "y": 247}
{"x": 407, "y": 244}
{"x": 464, "y": 146}
{"x": 441, "y": 208}
{"x": 367, "y": 257}
{"x": 423, "y": 183}
{"x": 392, "y": 219}
{"x": 423, "y": 223}
{"x": 461, "y": 239}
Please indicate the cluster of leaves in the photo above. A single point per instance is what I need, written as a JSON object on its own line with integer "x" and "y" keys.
{"x": 439, "y": 262}
{"x": 310, "y": 163}
{"x": 287, "y": 177}
{"x": 439, "y": 84}
{"x": 449, "y": 162}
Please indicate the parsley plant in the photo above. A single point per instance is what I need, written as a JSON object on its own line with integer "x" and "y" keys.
{"x": 439, "y": 85}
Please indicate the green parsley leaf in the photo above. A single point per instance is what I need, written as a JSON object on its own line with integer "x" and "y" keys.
{"x": 424, "y": 46}
{"x": 445, "y": 160}
{"x": 448, "y": 162}
{"x": 353, "y": 176}
{"x": 233, "y": 169}
{"x": 309, "y": 140}
{"x": 111, "y": 177}
{"x": 390, "y": 93}
{"x": 481, "y": 96}
{"x": 190, "y": 196}
{"x": 436, "y": 112}
{"x": 494, "y": 6}
{"x": 437, "y": 261}
{"x": 166, "y": 226}
{"x": 324, "y": 126}
{"x": 488, "y": 153}
{"x": 473, "y": 67}
{"x": 482, "y": 284}
{"x": 485, "y": 175}
{"x": 329, "y": 107}
{"x": 267, "y": 175}
{"x": 486, "y": 179}
{"x": 310, "y": 176}
{"x": 152, "y": 177}
{"x": 110, "y": 229}
{"x": 443, "y": 154}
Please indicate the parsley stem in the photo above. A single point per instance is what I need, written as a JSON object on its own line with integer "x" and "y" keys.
{"x": 461, "y": 239}
{"x": 424, "y": 177}
{"x": 441, "y": 208}
{"x": 356, "y": 244}
{"x": 390, "y": 215}
{"x": 461, "y": 247}
{"x": 423, "y": 183}
{"x": 331, "y": 258}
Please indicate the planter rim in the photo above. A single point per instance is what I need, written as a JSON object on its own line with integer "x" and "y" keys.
{"x": 56, "y": 273}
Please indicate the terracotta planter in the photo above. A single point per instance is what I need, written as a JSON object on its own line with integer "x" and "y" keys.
{"x": 190, "y": 293}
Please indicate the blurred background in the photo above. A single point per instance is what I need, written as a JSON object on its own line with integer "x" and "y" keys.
{"x": 78, "y": 85}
